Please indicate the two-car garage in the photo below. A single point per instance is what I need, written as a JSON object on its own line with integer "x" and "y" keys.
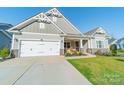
{"x": 39, "y": 48}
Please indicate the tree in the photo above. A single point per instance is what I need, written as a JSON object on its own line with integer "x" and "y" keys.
{"x": 113, "y": 49}
{"x": 4, "y": 53}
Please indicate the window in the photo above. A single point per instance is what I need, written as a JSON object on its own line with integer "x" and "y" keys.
{"x": 54, "y": 19}
{"x": 67, "y": 45}
{"x": 77, "y": 44}
{"x": 99, "y": 44}
{"x": 42, "y": 25}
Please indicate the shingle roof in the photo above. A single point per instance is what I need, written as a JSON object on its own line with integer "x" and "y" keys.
{"x": 120, "y": 40}
{"x": 111, "y": 40}
{"x": 4, "y": 27}
{"x": 63, "y": 23}
{"x": 93, "y": 31}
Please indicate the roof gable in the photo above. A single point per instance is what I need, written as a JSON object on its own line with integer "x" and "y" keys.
{"x": 6, "y": 34}
{"x": 120, "y": 40}
{"x": 98, "y": 30}
{"x": 62, "y": 22}
{"x": 38, "y": 18}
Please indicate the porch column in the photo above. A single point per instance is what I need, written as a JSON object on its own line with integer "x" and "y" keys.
{"x": 81, "y": 45}
{"x": 62, "y": 46}
{"x": 89, "y": 43}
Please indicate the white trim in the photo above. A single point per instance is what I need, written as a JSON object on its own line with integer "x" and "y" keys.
{"x": 21, "y": 23}
{"x": 38, "y": 18}
{"x": 55, "y": 24}
{"x": 66, "y": 20}
{"x": 81, "y": 44}
{"x": 71, "y": 38}
{"x": 99, "y": 28}
{"x": 29, "y": 39}
{"x": 42, "y": 25}
{"x": 6, "y": 34}
{"x": 62, "y": 43}
{"x": 39, "y": 33}
{"x": 13, "y": 31}
{"x": 54, "y": 19}
{"x": 12, "y": 44}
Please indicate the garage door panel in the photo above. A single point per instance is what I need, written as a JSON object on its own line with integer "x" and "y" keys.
{"x": 39, "y": 48}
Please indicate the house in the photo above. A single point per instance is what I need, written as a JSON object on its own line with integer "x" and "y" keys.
{"x": 5, "y": 37}
{"x": 120, "y": 43}
{"x": 98, "y": 40}
{"x": 51, "y": 33}
{"x": 111, "y": 41}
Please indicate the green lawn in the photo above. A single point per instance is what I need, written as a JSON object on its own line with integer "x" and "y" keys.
{"x": 101, "y": 70}
{"x": 120, "y": 52}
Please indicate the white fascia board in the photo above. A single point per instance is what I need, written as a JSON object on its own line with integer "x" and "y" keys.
{"x": 20, "y": 24}
{"x": 30, "y": 39}
{"x": 6, "y": 34}
{"x": 12, "y": 44}
{"x": 40, "y": 33}
{"x": 29, "y": 19}
{"x": 67, "y": 20}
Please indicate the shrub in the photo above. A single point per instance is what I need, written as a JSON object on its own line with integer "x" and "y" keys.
{"x": 108, "y": 54}
{"x": 68, "y": 54}
{"x": 71, "y": 51}
{"x": 113, "y": 49}
{"x": 80, "y": 53}
{"x": 99, "y": 52}
{"x": 74, "y": 52}
{"x": 4, "y": 53}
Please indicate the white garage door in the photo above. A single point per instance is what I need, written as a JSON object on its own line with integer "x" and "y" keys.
{"x": 39, "y": 48}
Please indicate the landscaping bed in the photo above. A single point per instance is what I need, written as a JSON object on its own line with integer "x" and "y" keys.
{"x": 73, "y": 52}
{"x": 101, "y": 70}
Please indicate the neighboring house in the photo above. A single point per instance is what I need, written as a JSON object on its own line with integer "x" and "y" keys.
{"x": 98, "y": 40}
{"x": 51, "y": 33}
{"x": 111, "y": 41}
{"x": 5, "y": 37}
{"x": 120, "y": 43}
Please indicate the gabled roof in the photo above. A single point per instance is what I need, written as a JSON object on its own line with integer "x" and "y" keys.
{"x": 95, "y": 30}
{"x": 63, "y": 23}
{"x": 119, "y": 40}
{"x": 37, "y": 18}
{"x": 112, "y": 40}
{"x": 4, "y": 27}
{"x": 65, "y": 27}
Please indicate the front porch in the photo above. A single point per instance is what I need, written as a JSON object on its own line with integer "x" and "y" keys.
{"x": 78, "y": 44}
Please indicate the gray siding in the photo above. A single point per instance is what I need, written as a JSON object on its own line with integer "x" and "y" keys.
{"x": 65, "y": 26}
{"x": 100, "y": 35}
{"x": 35, "y": 28}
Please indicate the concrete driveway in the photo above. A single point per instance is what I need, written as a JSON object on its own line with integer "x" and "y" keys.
{"x": 52, "y": 70}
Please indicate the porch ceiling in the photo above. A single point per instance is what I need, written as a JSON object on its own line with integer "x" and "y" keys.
{"x": 75, "y": 38}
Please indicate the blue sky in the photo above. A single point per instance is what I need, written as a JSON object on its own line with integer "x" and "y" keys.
{"x": 84, "y": 18}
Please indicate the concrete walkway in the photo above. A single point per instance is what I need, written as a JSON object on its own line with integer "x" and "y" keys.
{"x": 52, "y": 70}
{"x": 78, "y": 57}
